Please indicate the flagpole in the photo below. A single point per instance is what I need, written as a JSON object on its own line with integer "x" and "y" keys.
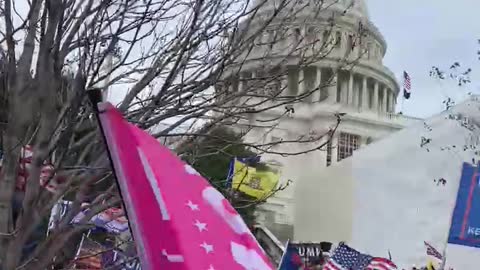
{"x": 77, "y": 254}
{"x": 403, "y": 101}
{"x": 95, "y": 96}
{"x": 407, "y": 84}
{"x": 283, "y": 255}
{"x": 444, "y": 253}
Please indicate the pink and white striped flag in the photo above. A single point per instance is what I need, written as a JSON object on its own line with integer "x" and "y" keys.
{"x": 179, "y": 221}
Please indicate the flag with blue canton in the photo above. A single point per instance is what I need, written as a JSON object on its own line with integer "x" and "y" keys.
{"x": 347, "y": 258}
{"x": 249, "y": 161}
{"x": 291, "y": 260}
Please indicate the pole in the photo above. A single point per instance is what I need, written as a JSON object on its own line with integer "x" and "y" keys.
{"x": 403, "y": 101}
{"x": 77, "y": 254}
{"x": 444, "y": 253}
{"x": 95, "y": 96}
{"x": 283, "y": 256}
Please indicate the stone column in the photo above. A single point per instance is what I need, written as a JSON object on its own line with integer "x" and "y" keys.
{"x": 356, "y": 96}
{"x": 284, "y": 84}
{"x": 253, "y": 85}
{"x": 365, "y": 93}
{"x": 318, "y": 83}
{"x": 392, "y": 101}
{"x": 301, "y": 82}
{"x": 385, "y": 100}
{"x": 388, "y": 106}
{"x": 350, "y": 89}
{"x": 375, "y": 97}
{"x": 332, "y": 88}
{"x": 241, "y": 84}
{"x": 343, "y": 90}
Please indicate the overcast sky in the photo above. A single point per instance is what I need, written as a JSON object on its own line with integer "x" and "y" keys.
{"x": 422, "y": 33}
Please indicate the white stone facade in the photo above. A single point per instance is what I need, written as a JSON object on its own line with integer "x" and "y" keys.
{"x": 365, "y": 90}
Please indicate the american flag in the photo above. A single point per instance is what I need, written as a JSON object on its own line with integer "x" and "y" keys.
{"x": 407, "y": 85}
{"x": 347, "y": 258}
{"x": 433, "y": 251}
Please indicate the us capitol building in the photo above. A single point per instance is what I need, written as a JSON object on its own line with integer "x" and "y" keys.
{"x": 365, "y": 93}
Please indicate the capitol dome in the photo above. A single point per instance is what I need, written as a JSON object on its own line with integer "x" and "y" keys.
{"x": 359, "y": 7}
{"x": 352, "y": 7}
{"x": 326, "y": 59}
{"x": 323, "y": 36}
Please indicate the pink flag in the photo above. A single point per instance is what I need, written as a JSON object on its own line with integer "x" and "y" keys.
{"x": 179, "y": 221}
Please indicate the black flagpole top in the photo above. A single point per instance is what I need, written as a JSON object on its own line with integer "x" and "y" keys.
{"x": 95, "y": 96}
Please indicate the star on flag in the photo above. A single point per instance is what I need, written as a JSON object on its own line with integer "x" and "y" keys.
{"x": 201, "y": 226}
{"x": 208, "y": 248}
{"x": 193, "y": 207}
{"x": 174, "y": 211}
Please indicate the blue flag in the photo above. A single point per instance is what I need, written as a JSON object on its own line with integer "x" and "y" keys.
{"x": 465, "y": 229}
{"x": 291, "y": 260}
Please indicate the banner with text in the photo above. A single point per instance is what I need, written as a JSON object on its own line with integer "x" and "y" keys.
{"x": 465, "y": 228}
{"x": 313, "y": 253}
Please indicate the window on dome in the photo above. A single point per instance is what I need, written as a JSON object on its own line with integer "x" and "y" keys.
{"x": 293, "y": 81}
{"x": 274, "y": 82}
{"x": 247, "y": 81}
{"x": 311, "y": 36}
{"x": 231, "y": 81}
{"x": 329, "y": 153}
{"x": 326, "y": 38}
{"x": 298, "y": 34}
{"x": 347, "y": 143}
{"x": 271, "y": 38}
{"x": 309, "y": 76}
{"x": 369, "y": 51}
{"x": 259, "y": 81}
{"x": 350, "y": 44}
{"x": 338, "y": 39}
{"x": 235, "y": 85}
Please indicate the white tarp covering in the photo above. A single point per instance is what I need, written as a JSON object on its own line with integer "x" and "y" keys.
{"x": 398, "y": 200}
{"x": 390, "y": 195}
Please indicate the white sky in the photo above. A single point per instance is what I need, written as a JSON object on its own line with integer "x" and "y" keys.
{"x": 423, "y": 33}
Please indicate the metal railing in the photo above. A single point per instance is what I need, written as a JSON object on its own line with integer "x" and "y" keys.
{"x": 269, "y": 242}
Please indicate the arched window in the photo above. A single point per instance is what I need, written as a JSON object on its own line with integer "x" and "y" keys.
{"x": 350, "y": 43}
{"x": 298, "y": 34}
{"x": 338, "y": 39}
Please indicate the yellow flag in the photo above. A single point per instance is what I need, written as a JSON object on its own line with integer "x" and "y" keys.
{"x": 252, "y": 182}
